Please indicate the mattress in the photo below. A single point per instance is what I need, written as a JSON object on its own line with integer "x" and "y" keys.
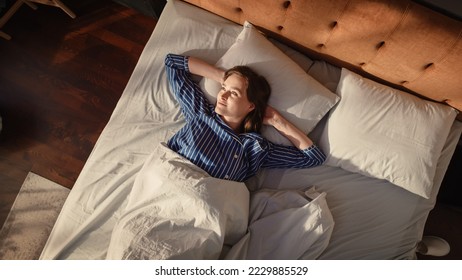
{"x": 373, "y": 218}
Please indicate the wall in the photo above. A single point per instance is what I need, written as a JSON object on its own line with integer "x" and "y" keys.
{"x": 452, "y": 8}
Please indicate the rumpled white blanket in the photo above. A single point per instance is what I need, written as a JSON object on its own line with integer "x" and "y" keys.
{"x": 177, "y": 211}
{"x": 285, "y": 225}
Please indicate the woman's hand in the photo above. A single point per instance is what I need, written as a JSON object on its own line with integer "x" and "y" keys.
{"x": 296, "y": 136}
{"x": 272, "y": 116}
{"x": 199, "y": 67}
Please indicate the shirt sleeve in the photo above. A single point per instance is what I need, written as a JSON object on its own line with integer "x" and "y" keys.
{"x": 279, "y": 156}
{"x": 187, "y": 92}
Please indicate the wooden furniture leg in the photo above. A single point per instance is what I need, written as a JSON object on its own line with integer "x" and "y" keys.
{"x": 33, "y": 6}
{"x": 10, "y": 12}
{"x": 4, "y": 35}
{"x": 56, "y": 3}
{"x": 13, "y": 9}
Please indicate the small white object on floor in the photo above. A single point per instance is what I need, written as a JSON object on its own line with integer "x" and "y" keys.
{"x": 433, "y": 246}
{"x": 31, "y": 218}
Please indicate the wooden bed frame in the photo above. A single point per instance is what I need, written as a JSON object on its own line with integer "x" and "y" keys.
{"x": 396, "y": 42}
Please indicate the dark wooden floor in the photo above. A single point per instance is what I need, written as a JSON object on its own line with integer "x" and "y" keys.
{"x": 60, "y": 79}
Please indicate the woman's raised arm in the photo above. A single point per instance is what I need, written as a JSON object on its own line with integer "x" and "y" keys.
{"x": 199, "y": 67}
{"x": 286, "y": 128}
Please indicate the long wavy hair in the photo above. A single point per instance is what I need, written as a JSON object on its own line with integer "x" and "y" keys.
{"x": 258, "y": 93}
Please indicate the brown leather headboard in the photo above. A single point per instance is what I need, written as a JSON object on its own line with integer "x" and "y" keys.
{"x": 397, "y": 41}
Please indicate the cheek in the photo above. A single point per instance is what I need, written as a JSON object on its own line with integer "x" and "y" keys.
{"x": 233, "y": 104}
{"x": 242, "y": 106}
{"x": 245, "y": 104}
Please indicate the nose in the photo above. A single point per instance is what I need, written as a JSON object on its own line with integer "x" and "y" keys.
{"x": 225, "y": 94}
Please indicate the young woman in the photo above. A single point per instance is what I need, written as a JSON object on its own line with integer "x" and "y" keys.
{"x": 223, "y": 138}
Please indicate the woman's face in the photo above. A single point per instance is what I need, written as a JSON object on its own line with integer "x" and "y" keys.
{"x": 232, "y": 101}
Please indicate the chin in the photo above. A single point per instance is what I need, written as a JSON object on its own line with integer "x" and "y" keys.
{"x": 219, "y": 110}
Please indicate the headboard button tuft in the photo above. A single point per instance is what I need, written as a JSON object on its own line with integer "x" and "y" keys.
{"x": 380, "y": 45}
{"x": 280, "y": 27}
{"x": 286, "y": 4}
{"x": 429, "y": 65}
{"x": 238, "y": 9}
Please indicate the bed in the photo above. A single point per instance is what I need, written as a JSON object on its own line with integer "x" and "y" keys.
{"x": 380, "y": 100}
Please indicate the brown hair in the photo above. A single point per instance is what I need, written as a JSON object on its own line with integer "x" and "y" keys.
{"x": 258, "y": 93}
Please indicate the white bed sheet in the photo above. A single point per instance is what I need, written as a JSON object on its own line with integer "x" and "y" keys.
{"x": 373, "y": 219}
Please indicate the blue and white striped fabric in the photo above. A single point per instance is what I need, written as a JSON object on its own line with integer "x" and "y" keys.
{"x": 208, "y": 142}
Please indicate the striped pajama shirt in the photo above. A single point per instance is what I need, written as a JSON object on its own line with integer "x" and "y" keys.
{"x": 208, "y": 142}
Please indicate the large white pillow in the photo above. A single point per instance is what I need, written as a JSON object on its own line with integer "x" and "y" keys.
{"x": 385, "y": 133}
{"x": 297, "y": 96}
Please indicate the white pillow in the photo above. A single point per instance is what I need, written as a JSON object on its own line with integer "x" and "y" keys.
{"x": 302, "y": 60}
{"x": 385, "y": 133}
{"x": 297, "y": 96}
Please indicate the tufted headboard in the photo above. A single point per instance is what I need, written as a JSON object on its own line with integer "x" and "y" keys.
{"x": 397, "y": 42}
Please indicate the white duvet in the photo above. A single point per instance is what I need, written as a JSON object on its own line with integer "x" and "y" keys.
{"x": 177, "y": 211}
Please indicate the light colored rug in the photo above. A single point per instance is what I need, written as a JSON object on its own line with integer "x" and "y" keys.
{"x": 31, "y": 218}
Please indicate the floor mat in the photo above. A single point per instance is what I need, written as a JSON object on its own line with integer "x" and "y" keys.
{"x": 31, "y": 218}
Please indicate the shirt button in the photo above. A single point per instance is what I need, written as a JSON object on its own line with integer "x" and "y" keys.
{"x": 226, "y": 176}
{"x": 236, "y": 156}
